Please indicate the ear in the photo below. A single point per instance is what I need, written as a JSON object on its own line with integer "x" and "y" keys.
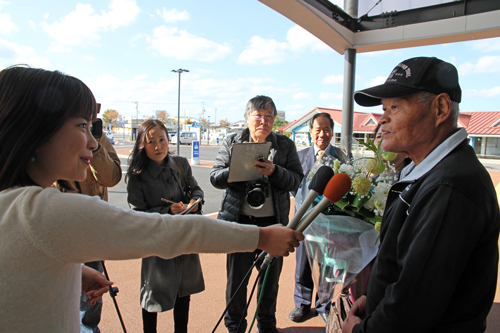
{"x": 442, "y": 108}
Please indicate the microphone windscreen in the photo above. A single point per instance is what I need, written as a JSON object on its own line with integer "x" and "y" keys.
{"x": 320, "y": 179}
{"x": 337, "y": 187}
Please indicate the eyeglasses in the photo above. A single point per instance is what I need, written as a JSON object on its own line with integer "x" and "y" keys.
{"x": 258, "y": 117}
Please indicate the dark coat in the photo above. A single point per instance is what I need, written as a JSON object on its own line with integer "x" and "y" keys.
{"x": 286, "y": 177}
{"x": 163, "y": 279}
{"x": 437, "y": 266}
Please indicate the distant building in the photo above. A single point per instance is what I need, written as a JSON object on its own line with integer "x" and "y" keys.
{"x": 281, "y": 115}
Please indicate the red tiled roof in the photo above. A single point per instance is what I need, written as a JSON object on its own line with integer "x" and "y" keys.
{"x": 481, "y": 123}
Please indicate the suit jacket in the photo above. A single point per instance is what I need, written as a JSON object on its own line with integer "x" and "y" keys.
{"x": 307, "y": 157}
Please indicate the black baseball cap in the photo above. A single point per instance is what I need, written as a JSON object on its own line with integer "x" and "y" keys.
{"x": 411, "y": 76}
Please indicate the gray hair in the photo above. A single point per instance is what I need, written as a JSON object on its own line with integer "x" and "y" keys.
{"x": 427, "y": 97}
{"x": 259, "y": 102}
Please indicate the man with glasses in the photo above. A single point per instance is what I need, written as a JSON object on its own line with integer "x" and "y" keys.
{"x": 282, "y": 173}
{"x": 321, "y": 130}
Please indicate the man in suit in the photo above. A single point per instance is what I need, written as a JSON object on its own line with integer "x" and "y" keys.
{"x": 321, "y": 130}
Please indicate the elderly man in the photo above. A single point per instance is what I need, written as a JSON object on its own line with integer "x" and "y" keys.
{"x": 436, "y": 270}
{"x": 281, "y": 173}
{"x": 321, "y": 130}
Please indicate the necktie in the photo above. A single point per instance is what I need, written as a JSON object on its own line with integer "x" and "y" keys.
{"x": 319, "y": 154}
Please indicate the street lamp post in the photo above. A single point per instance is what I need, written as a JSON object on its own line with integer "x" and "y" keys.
{"x": 180, "y": 70}
{"x": 208, "y": 135}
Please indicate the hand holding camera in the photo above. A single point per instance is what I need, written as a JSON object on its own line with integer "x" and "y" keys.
{"x": 265, "y": 167}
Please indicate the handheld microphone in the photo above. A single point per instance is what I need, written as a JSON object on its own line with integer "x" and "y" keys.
{"x": 335, "y": 190}
{"x": 316, "y": 187}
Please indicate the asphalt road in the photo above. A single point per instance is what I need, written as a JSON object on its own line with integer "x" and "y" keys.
{"x": 118, "y": 193}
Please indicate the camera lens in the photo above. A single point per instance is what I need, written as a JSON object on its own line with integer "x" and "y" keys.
{"x": 256, "y": 198}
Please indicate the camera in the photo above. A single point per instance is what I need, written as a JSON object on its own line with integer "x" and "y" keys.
{"x": 257, "y": 192}
{"x": 96, "y": 127}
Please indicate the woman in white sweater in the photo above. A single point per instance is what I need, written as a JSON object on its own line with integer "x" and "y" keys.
{"x": 45, "y": 235}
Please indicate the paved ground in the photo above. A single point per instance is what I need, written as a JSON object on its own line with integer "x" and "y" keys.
{"x": 207, "y": 307}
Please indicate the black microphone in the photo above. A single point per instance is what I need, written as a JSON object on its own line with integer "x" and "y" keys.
{"x": 335, "y": 190}
{"x": 316, "y": 187}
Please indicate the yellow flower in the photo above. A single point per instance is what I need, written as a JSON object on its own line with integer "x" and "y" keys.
{"x": 388, "y": 156}
{"x": 373, "y": 166}
{"x": 361, "y": 185}
{"x": 377, "y": 226}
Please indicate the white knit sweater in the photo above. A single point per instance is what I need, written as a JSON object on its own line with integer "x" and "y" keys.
{"x": 45, "y": 235}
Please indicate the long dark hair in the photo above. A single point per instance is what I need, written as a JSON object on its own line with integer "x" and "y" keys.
{"x": 138, "y": 159}
{"x": 34, "y": 104}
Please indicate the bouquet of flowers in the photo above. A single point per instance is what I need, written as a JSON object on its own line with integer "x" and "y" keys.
{"x": 344, "y": 238}
{"x": 371, "y": 180}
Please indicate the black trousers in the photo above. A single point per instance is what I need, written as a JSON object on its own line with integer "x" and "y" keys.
{"x": 237, "y": 266}
{"x": 181, "y": 316}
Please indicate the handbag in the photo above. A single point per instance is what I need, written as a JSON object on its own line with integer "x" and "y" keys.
{"x": 338, "y": 312}
{"x": 188, "y": 192}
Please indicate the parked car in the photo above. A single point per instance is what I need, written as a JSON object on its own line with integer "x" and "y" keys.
{"x": 173, "y": 137}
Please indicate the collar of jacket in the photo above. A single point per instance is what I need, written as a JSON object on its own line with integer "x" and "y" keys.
{"x": 155, "y": 170}
{"x": 412, "y": 172}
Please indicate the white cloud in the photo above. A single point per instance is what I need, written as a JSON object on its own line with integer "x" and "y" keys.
{"x": 483, "y": 93}
{"x": 173, "y": 15}
{"x": 82, "y": 26}
{"x": 487, "y": 45}
{"x": 89, "y": 58}
{"x": 180, "y": 44}
{"x": 333, "y": 79}
{"x": 268, "y": 51}
{"x": 329, "y": 96}
{"x": 376, "y": 81}
{"x": 264, "y": 51}
{"x": 486, "y": 64}
{"x": 301, "y": 95}
{"x": 12, "y": 53}
{"x": 6, "y": 25}
{"x": 335, "y": 106}
{"x": 299, "y": 39}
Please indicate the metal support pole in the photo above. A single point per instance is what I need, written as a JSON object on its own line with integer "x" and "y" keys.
{"x": 351, "y": 8}
{"x": 348, "y": 101}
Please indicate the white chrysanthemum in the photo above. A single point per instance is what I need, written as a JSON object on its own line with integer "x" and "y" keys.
{"x": 348, "y": 169}
{"x": 378, "y": 199}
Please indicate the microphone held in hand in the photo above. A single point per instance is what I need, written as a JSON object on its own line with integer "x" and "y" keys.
{"x": 316, "y": 187}
{"x": 335, "y": 190}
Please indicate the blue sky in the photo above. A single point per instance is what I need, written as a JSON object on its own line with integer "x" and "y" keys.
{"x": 124, "y": 50}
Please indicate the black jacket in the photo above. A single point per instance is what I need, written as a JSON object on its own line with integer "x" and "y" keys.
{"x": 286, "y": 177}
{"x": 437, "y": 266}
